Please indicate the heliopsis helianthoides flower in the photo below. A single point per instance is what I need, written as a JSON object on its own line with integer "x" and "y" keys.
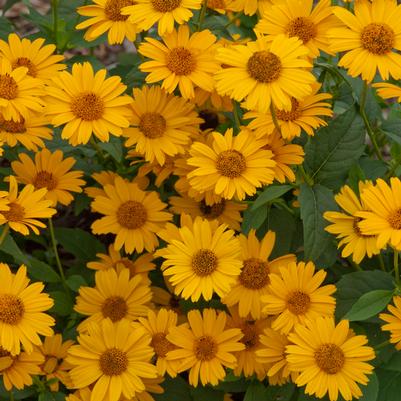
{"x": 221, "y": 6}
{"x": 162, "y": 124}
{"x": 225, "y": 211}
{"x": 106, "y": 16}
{"x": 17, "y": 370}
{"x": 183, "y": 60}
{"x": 305, "y": 114}
{"x": 25, "y": 208}
{"x": 20, "y": 94}
{"x": 132, "y": 214}
{"x": 22, "y": 307}
{"x": 255, "y": 275}
{"x": 205, "y": 260}
{"x": 51, "y": 171}
{"x": 371, "y": 38}
{"x": 115, "y": 296}
{"x": 246, "y": 358}
{"x": 152, "y": 386}
{"x": 301, "y": 19}
{"x": 329, "y": 358}
{"x": 146, "y": 13}
{"x": 87, "y": 103}
{"x": 393, "y": 320}
{"x": 249, "y": 7}
{"x": 383, "y": 215}
{"x": 388, "y": 91}
{"x": 165, "y": 299}
{"x": 40, "y": 60}
{"x": 296, "y": 295}
{"x": 29, "y": 132}
{"x": 161, "y": 173}
{"x": 114, "y": 358}
{"x": 345, "y": 225}
{"x": 54, "y": 350}
{"x": 263, "y": 72}
{"x": 233, "y": 166}
{"x": 158, "y": 325}
{"x": 205, "y": 346}
{"x": 80, "y": 395}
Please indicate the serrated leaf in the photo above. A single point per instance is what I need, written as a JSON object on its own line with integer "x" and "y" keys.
{"x": 113, "y": 148}
{"x": 270, "y": 193}
{"x": 253, "y": 219}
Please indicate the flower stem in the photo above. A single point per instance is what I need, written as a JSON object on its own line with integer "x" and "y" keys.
{"x": 381, "y": 262}
{"x": 274, "y": 117}
{"x": 305, "y": 176}
{"x": 396, "y": 268}
{"x": 97, "y": 148}
{"x": 202, "y": 15}
{"x": 381, "y": 345}
{"x": 4, "y": 233}
{"x": 11, "y": 395}
{"x": 55, "y": 21}
{"x": 237, "y": 120}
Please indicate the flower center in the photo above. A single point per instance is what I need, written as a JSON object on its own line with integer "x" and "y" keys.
{"x": 113, "y": 8}
{"x": 161, "y": 345}
{"x": 264, "y": 66}
{"x": 8, "y": 87}
{"x": 298, "y": 302}
{"x": 220, "y": 4}
{"x": 291, "y": 115}
{"x": 165, "y": 6}
{"x": 87, "y": 106}
{"x": 204, "y": 262}
{"x": 231, "y": 163}
{"x": 16, "y": 212}
{"x": 330, "y": 358}
{"x": 302, "y": 28}
{"x": 113, "y": 362}
{"x": 212, "y": 211}
{"x": 25, "y": 62}
{"x": 181, "y": 61}
{"x": 251, "y": 335}
{"x": 13, "y": 127}
{"x": 114, "y": 308}
{"x": 377, "y": 38}
{"x": 152, "y": 125}
{"x": 394, "y": 219}
{"x": 11, "y": 309}
{"x": 44, "y": 179}
{"x": 6, "y": 359}
{"x": 132, "y": 215}
{"x": 205, "y": 348}
{"x": 254, "y": 274}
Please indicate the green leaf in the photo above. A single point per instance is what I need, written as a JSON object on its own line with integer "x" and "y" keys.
{"x": 174, "y": 389}
{"x": 5, "y": 28}
{"x": 75, "y": 282}
{"x": 270, "y": 193}
{"x": 369, "y": 305}
{"x": 256, "y": 392}
{"x": 394, "y": 363}
{"x": 392, "y": 128}
{"x": 253, "y": 219}
{"x": 10, "y": 247}
{"x": 282, "y": 393}
{"x": 62, "y": 304}
{"x": 42, "y": 271}
{"x": 390, "y": 384}
{"x": 206, "y": 393}
{"x": 113, "y": 148}
{"x": 314, "y": 202}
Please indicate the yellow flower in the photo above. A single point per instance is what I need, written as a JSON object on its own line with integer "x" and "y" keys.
{"x": 249, "y": 7}
{"x": 161, "y": 173}
{"x": 52, "y": 172}
{"x": 393, "y": 320}
{"x": 329, "y": 358}
{"x": 83, "y": 394}
{"x": 205, "y": 346}
{"x": 152, "y": 386}
{"x": 22, "y": 307}
{"x": 184, "y": 60}
{"x": 371, "y": 38}
{"x": 106, "y": 16}
{"x": 87, "y": 103}
{"x": 388, "y": 91}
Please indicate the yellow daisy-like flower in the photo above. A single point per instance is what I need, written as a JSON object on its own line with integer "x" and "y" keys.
{"x": 106, "y": 16}
{"x": 133, "y": 215}
{"x": 40, "y": 60}
{"x": 146, "y": 13}
{"x": 165, "y": 299}
{"x": 305, "y": 114}
{"x": 346, "y": 226}
{"x": 87, "y": 103}
{"x": 162, "y": 124}
{"x": 114, "y": 358}
{"x": 388, "y": 91}
{"x": 152, "y": 386}
{"x": 20, "y": 94}
{"x": 17, "y": 370}
{"x": 80, "y": 395}
{"x": 263, "y": 72}
{"x": 296, "y": 295}
{"x": 205, "y": 260}
{"x": 22, "y": 307}
{"x": 249, "y": 7}
{"x": 256, "y": 272}
{"x": 232, "y": 165}
{"x": 393, "y": 322}
{"x": 371, "y": 38}
{"x": 205, "y": 346}
{"x": 329, "y": 358}
{"x": 161, "y": 173}
{"x": 50, "y": 171}
{"x": 159, "y": 325}
{"x": 25, "y": 208}
{"x": 115, "y": 296}
{"x": 29, "y": 132}
{"x": 184, "y": 60}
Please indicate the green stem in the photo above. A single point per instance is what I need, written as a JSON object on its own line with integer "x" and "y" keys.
{"x": 396, "y": 268}
{"x": 202, "y": 15}
{"x": 237, "y": 120}
{"x": 97, "y": 148}
{"x": 305, "y": 176}
{"x": 354, "y": 265}
{"x": 274, "y": 117}
{"x": 4, "y": 233}
{"x": 371, "y": 133}
{"x": 11, "y": 396}
{"x": 381, "y": 262}
{"x": 381, "y": 345}
{"x": 55, "y": 21}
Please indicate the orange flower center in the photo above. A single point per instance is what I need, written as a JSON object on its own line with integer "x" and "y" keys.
{"x": 8, "y": 87}
{"x": 231, "y": 163}
{"x": 205, "y": 348}
{"x": 298, "y": 302}
{"x": 13, "y": 127}
{"x": 330, "y": 358}
{"x": 394, "y": 219}
{"x": 114, "y": 308}
{"x": 152, "y": 125}
{"x": 161, "y": 345}
{"x": 181, "y": 61}
{"x": 254, "y": 274}
{"x": 44, "y": 179}
{"x": 377, "y": 38}
{"x": 264, "y": 66}
{"x": 16, "y": 212}
{"x": 165, "y": 6}
{"x": 113, "y": 8}
{"x": 302, "y": 28}
{"x": 204, "y": 262}
{"x": 132, "y": 215}
{"x": 219, "y": 4}
{"x": 25, "y": 62}
{"x": 291, "y": 115}
{"x": 251, "y": 335}
{"x": 212, "y": 211}
{"x": 87, "y": 106}
{"x": 113, "y": 362}
{"x": 11, "y": 309}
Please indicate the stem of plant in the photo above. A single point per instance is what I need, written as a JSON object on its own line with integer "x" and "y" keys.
{"x": 55, "y": 21}
{"x": 396, "y": 268}
{"x": 274, "y": 117}
{"x": 4, "y": 233}
{"x": 381, "y": 345}
{"x": 305, "y": 176}
{"x": 11, "y": 395}
{"x": 97, "y": 148}
{"x": 381, "y": 262}
{"x": 202, "y": 15}
{"x": 237, "y": 120}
